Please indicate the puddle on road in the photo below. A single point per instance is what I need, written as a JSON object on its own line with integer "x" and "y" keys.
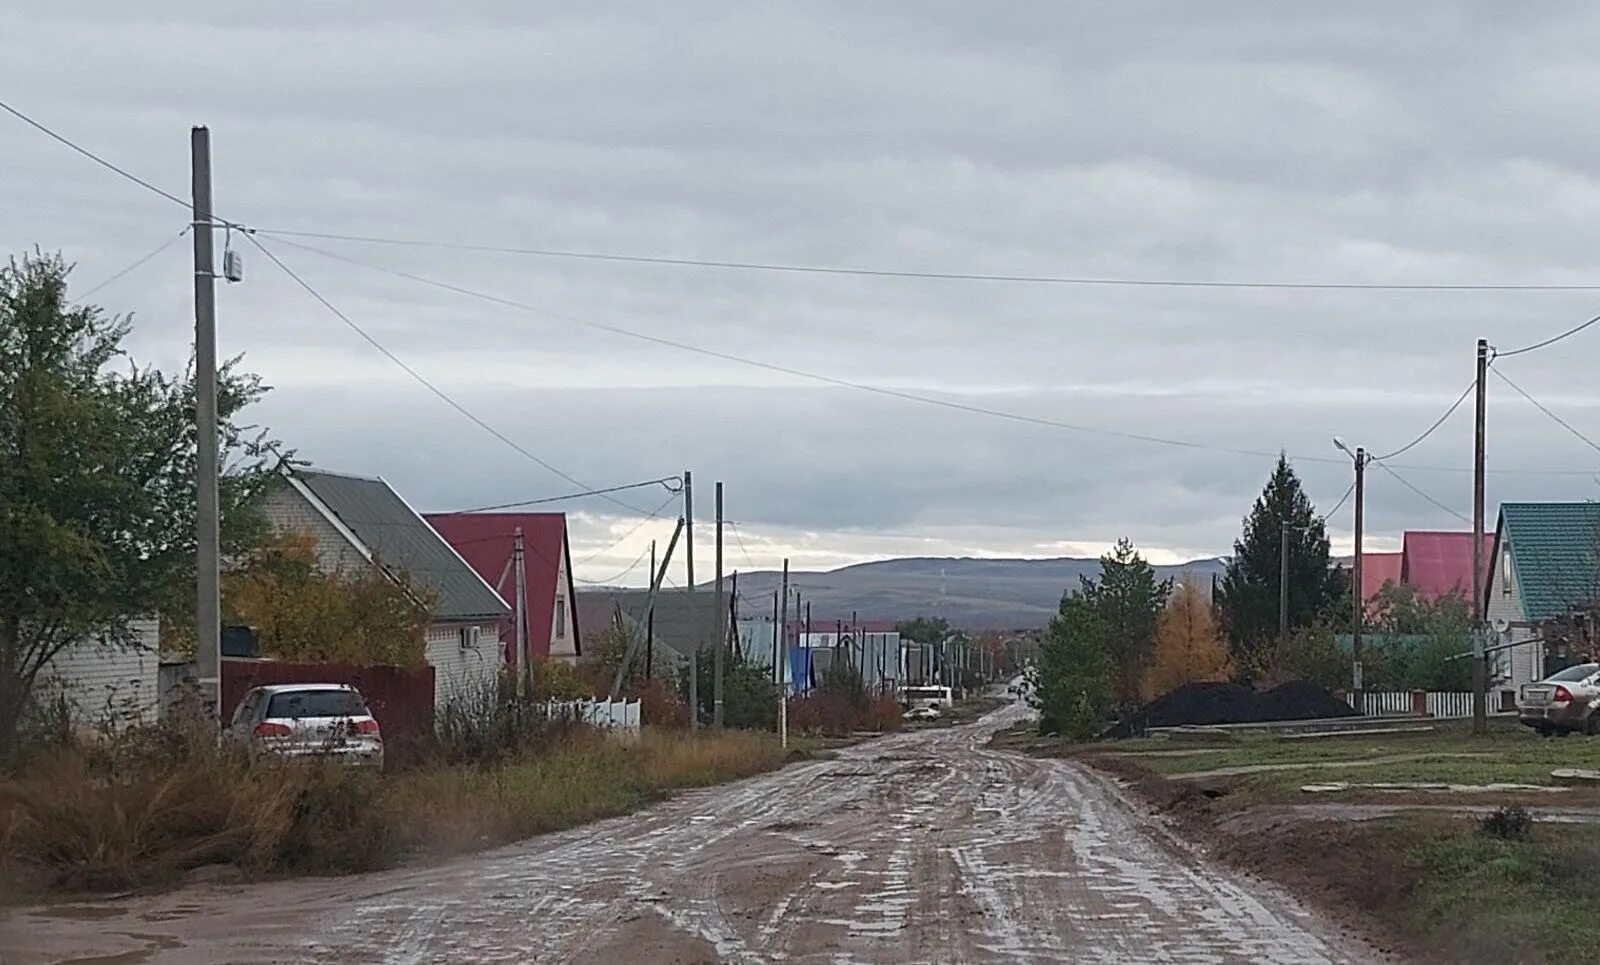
{"x": 79, "y": 912}
{"x": 153, "y": 944}
{"x": 176, "y": 913}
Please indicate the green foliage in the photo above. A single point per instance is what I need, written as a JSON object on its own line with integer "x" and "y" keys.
{"x": 1416, "y": 644}
{"x": 843, "y": 679}
{"x": 1247, "y": 597}
{"x": 1072, "y": 683}
{"x": 1507, "y": 823}
{"x": 97, "y": 500}
{"x": 750, "y": 695}
{"x": 1310, "y": 653}
{"x": 1128, "y": 600}
{"x": 928, "y": 630}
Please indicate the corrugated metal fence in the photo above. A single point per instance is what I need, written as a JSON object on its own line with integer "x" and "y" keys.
{"x": 1443, "y": 704}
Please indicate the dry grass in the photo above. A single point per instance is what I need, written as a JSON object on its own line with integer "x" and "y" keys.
{"x": 74, "y": 821}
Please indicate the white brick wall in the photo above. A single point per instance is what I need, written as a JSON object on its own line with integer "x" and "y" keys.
{"x": 108, "y": 683}
{"x": 459, "y": 671}
{"x": 288, "y": 511}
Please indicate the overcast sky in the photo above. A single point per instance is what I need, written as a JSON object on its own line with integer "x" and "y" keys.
{"x": 1408, "y": 143}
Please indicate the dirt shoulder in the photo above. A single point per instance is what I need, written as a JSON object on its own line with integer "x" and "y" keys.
{"x": 1411, "y": 869}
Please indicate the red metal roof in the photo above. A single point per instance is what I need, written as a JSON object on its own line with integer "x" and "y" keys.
{"x": 485, "y": 541}
{"x": 1439, "y": 564}
{"x": 1376, "y": 570}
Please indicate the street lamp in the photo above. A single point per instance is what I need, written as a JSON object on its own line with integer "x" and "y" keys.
{"x": 1358, "y": 604}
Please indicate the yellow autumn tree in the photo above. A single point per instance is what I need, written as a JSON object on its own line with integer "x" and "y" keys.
{"x": 367, "y": 616}
{"x": 1189, "y": 648}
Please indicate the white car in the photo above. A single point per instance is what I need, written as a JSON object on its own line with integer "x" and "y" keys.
{"x": 308, "y": 721}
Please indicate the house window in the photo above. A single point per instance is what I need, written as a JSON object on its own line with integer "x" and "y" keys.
{"x": 561, "y": 618}
{"x": 1505, "y": 572}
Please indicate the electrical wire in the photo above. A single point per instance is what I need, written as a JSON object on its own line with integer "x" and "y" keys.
{"x": 939, "y": 275}
{"x": 1340, "y": 504}
{"x": 862, "y": 386}
{"x": 1549, "y": 341}
{"x": 141, "y": 182}
{"x": 1437, "y": 423}
{"x": 673, "y": 484}
{"x": 612, "y": 579}
{"x": 1540, "y": 406}
{"x": 421, "y": 379}
{"x": 797, "y": 373}
{"x": 620, "y": 539}
{"x": 1385, "y": 467}
{"x": 133, "y": 267}
{"x": 740, "y": 539}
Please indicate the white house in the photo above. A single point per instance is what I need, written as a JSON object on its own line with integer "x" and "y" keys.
{"x": 1545, "y": 563}
{"x": 359, "y": 522}
{"x": 112, "y": 684}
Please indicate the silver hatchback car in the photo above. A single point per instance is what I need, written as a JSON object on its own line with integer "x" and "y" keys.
{"x": 308, "y": 721}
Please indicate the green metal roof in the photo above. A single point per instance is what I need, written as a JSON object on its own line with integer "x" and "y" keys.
{"x": 1553, "y": 553}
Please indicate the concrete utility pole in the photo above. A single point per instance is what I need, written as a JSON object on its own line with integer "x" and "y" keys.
{"x": 721, "y": 625}
{"x": 521, "y": 633}
{"x": 1480, "y": 669}
{"x": 783, "y": 666}
{"x": 1358, "y": 604}
{"x": 208, "y": 580}
{"x": 776, "y": 676}
{"x": 694, "y": 615}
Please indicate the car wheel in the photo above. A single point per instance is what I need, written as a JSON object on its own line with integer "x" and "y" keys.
{"x": 1564, "y": 732}
{"x": 1545, "y": 730}
{"x": 1591, "y": 725}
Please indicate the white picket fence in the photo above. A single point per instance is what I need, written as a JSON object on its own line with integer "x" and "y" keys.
{"x": 608, "y": 714}
{"x": 1443, "y": 704}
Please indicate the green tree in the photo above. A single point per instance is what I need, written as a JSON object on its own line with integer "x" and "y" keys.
{"x": 1128, "y": 600}
{"x": 97, "y": 499}
{"x": 749, "y": 694}
{"x": 929, "y": 630}
{"x": 1247, "y": 596}
{"x": 1072, "y": 682}
{"x": 1418, "y": 642}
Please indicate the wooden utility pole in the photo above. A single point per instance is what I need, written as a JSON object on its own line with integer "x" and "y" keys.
{"x": 656, "y": 580}
{"x": 208, "y": 578}
{"x": 1480, "y": 670}
{"x": 650, "y": 623}
{"x": 733, "y": 617}
{"x": 721, "y": 625}
{"x": 783, "y": 653}
{"x": 1358, "y": 605}
{"x": 776, "y": 677}
{"x": 694, "y": 615}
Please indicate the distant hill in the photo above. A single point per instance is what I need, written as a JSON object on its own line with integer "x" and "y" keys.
{"x": 974, "y": 594}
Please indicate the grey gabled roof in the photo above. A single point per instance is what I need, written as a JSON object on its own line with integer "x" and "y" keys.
{"x": 404, "y": 543}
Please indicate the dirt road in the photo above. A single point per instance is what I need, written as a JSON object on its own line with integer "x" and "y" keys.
{"x": 918, "y": 847}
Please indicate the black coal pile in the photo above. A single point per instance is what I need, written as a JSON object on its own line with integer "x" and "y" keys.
{"x": 1227, "y": 703}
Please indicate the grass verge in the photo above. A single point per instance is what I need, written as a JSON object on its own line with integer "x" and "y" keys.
{"x": 72, "y": 822}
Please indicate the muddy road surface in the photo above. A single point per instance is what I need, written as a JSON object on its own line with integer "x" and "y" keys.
{"x": 919, "y": 847}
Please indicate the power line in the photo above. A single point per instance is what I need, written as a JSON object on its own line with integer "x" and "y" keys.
{"x": 1385, "y": 467}
{"x": 740, "y": 538}
{"x": 1549, "y": 341}
{"x": 1340, "y": 504}
{"x": 106, "y": 281}
{"x": 620, "y": 539}
{"x": 1437, "y": 423}
{"x": 859, "y": 386}
{"x": 939, "y": 275}
{"x": 445, "y": 397}
{"x": 141, "y": 182}
{"x": 1540, "y": 406}
{"x": 797, "y": 373}
{"x": 612, "y": 579}
{"x": 673, "y": 484}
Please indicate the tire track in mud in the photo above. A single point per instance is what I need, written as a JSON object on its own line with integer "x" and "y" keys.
{"x": 916, "y": 847}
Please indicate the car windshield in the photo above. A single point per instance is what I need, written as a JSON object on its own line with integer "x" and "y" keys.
{"x": 316, "y": 703}
{"x": 1578, "y": 672}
